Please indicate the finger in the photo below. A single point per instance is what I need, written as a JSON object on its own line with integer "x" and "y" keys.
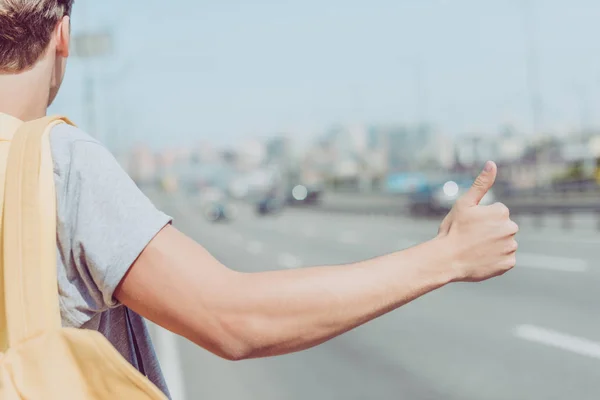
{"x": 499, "y": 209}
{"x": 480, "y": 187}
{"x": 512, "y": 246}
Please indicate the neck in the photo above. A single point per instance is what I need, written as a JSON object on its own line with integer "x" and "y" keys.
{"x": 25, "y": 95}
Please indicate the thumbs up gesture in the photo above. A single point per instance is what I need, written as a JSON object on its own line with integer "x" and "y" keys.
{"x": 482, "y": 238}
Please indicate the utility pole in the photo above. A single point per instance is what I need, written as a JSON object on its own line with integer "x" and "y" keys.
{"x": 419, "y": 93}
{"x": 584, "y": 108}
{"x": 535, "y": 97}
{"x": 88, "y": 47}
{"x": 532, "y": 61}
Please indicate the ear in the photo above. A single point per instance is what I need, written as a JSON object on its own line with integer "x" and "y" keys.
{"x": 63, "y": 36}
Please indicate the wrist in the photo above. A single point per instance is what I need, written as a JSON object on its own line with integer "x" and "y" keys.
{"x": 442, "y": 262}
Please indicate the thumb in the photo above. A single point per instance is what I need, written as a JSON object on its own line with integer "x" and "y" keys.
{"x": 482, "y": 184}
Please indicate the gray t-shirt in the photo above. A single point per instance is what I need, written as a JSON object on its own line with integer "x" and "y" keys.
{"x": 104, "y": 222}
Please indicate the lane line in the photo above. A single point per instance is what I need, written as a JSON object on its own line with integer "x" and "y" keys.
{"x": 170, "y": 361}
{"x": 540, "y": 261}
{"x": 558, "y": 340}
{"x": 289, "y": 261}
{"x": 254, "y": 247}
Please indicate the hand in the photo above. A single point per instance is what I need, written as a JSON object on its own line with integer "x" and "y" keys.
{"x": 481, "y": 238}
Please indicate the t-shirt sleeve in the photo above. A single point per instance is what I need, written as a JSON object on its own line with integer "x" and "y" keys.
{"x": 104, "y": 223}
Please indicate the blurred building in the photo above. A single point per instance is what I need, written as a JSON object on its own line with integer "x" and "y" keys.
{"x": 437, "y": 154}
{"x": 345, "y": 156}
{"x": 404, "y": 146}
{"x": 142, "y": 164}
{"x": 278, "y": 150}
{"x": 205, "y": 153}
{"x": 545, "y": 159}
{"x": 250, "y": 154}
{"x": 361, "y": 156}
{"x": 473, "y": 150}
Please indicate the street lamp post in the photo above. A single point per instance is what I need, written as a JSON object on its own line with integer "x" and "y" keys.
{"x": 88, "y": 47}
{"x": 535, "y": 97}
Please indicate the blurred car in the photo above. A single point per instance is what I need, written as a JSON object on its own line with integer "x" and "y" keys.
{"x": 438, "y": 197}
{"x": 277, "y": 198}
{"x": 404, "y": 183}
{"x": 215, "y": 212}
{"x": 302, "y": 194}
{"x": 216, "y": 206}
{"x": 269, "y": 205}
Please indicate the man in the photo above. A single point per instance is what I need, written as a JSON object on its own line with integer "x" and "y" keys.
{"x": 118, "y": 253}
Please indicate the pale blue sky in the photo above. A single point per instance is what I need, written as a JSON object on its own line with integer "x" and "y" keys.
{"x": 226, "y": 70}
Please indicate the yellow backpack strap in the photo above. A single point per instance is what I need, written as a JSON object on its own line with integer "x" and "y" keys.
{"x": 28, "y": 275}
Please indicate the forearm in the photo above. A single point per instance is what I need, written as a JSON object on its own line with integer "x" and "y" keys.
{"x": 280, "y": 312}
{"x": 179, "y": 285}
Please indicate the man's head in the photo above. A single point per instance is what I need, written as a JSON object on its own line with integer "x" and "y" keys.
{"x": 35, "y": 33}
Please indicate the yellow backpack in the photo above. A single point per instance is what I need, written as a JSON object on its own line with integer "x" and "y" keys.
{"x": 38, "y": 358}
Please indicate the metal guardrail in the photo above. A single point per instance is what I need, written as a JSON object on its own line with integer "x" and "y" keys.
{"x": 536, "y": 203}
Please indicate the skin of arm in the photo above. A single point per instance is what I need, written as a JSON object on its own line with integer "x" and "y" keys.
{"x": 179, "y": 285}
{"x": 247, "y": 315}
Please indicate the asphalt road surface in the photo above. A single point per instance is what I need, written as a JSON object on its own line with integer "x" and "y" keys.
{"x": 531, "y": 334}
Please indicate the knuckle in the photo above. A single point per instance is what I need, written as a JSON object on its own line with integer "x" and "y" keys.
{"x": 513, "y": 227}
{"x": 503, "y": 210}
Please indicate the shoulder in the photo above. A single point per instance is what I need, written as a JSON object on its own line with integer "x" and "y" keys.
{"x": 65, "y": 141}
{"x": 77, "y": 155}
{"x": 63, "y": 137}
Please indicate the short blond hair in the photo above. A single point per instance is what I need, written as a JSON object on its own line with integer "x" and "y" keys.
{"x": 26, "y": 27}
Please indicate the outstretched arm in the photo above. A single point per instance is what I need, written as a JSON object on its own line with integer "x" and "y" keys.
{"x": 180, "y": 286}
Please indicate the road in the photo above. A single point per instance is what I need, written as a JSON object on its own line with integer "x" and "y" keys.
{"x": 531, "y": 334}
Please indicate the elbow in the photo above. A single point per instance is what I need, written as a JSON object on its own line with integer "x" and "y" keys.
{"x": 225, "y": 337}
{"x": 224, "y": 345}
{"x": 235, "y": 348}
{"x": 234, "y": 330}
{"x": 233, "y": 353}
{"x": 242, "y": 338}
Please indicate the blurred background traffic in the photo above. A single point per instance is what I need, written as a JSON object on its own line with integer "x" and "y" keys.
{"x": 289, "y": 134}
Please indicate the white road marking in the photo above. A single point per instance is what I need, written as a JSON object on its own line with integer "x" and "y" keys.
{"x": 348, "y": 237}
{"x": 170, "y": 362}
{"x": 254, "y": 247}
{"x": 289, "y": 261}
{"x": 551, "y": 262}
{"x": 559, "y": 340}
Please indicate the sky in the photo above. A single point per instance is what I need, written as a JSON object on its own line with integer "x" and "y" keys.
{"x": 186, "y": 72}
